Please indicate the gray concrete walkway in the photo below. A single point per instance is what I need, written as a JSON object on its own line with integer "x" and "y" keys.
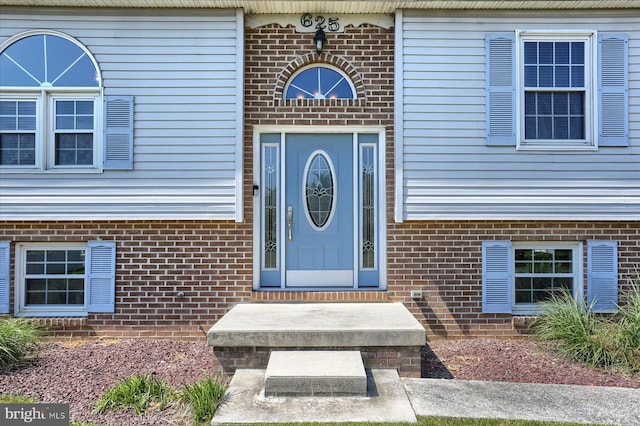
{"x": 394, "y": 399}
{"x": 525, "y": 401}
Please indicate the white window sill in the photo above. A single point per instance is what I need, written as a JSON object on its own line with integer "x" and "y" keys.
{"x": 526, "y": 310}
{"x": 15, "y": 170}
{"x": 30, "y": 312}
{"x": 554, "y": 147}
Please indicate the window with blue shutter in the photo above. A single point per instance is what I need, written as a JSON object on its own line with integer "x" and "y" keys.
{"x": 118, "y": 133}
{"x": 497, "y": 277}
{"x": 554, "y": 96}
{"x": 613, "y": 90}
{"x": 101, "y": 275}
{"x": 5, "y": 280}
{"x": 602, "y": 275}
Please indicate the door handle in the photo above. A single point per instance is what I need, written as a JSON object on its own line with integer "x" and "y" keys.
{"x": 290, "y": 222}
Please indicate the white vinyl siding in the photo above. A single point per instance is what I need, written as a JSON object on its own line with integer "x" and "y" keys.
{"x": 447, "y": 169}
{"x": 183, "y": 68}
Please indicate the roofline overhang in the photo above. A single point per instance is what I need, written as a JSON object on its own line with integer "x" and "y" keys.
{"x": 358, "y": 6}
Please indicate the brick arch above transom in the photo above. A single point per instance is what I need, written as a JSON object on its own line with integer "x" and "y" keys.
{"x": 313, "y": 59}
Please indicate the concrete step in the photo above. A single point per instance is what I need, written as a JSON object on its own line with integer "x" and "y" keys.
{"x": 315, "y": 373}
{"x": 319, "y": 325}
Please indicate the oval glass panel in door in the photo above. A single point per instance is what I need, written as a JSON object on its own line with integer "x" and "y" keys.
{"x": 319, "y": 189}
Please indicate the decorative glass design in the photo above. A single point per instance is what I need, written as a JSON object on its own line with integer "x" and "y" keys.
{"x": 368, "y": 191}
{"x": 270, "y": 206}
{"x": 319, "y": 83}
{"x": 46, "y": 60}
{"x": 319, "y": 189}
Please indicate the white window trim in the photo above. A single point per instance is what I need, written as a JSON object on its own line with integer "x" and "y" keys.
{"x": 21, "y": 309}
{"x": 44, "y": 111}
{"x": 45, "y": 130}
{"x": 590, "y": 39}
{"x": 38, "y": 143}
{"x": 51, "y": 133}
{"x": 578, "y": 278}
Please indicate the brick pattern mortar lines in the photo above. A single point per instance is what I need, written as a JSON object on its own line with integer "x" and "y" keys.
{"x": 212, "y": 261}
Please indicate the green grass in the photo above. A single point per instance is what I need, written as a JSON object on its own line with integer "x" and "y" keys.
{"x": 203, "y": 398}
{"x": 441, "y": 421}
{"x": 15, "y": 398}
{"x": 19, "y": 342}
{"x": 140, "y": 392}
{"x": 596, "y": 340}
{"x": 422, "y": 421}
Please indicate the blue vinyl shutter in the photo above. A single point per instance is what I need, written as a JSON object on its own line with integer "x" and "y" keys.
{"x": 602, "y": 275}
{"x": 5, "y": 250}
{"x": 500, "y": 63}
{"x": 613, "y": 90}
{"x": 118, "y": 133}
{"x": 101, "y": 276}
{"x": 497, "y": 277}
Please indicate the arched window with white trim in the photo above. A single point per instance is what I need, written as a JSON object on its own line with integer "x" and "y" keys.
{"x": 50, "y": 109}
{"x": 319, "y": 82}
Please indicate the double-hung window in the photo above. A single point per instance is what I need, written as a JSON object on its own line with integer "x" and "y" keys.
{"x": 64, "y": 279}
{"x": 544, "y": 270}
{"x": 556, "y": 91}
{"x": 49, "y": 104}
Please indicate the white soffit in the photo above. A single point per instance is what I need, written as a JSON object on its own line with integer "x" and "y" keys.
{"x": 293, "y": 6}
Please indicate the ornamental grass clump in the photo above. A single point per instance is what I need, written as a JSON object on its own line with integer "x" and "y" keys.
{"x": 203, "y": 397}
{"x": 140, "y": 392}
{"x": 598, "y": 341}
{"x": 19, "y": 342}
{"x": 629, "y": 326}
{"x": 146, "y": 392}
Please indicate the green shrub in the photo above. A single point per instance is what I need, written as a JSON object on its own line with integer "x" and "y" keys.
{"x": 203, "y": 397}
{"x": 580, "y": 334}
{"x": 19, "y": 341}
{"x": 139, "y": 392}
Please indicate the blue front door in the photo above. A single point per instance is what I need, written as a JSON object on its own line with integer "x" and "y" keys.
{"x": 319, "y": 210}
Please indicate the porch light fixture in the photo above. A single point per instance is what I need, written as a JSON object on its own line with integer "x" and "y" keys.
{"x": 319, "y": 40}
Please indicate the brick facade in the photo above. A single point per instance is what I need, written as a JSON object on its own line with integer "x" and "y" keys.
{"x": 211, "y": 262}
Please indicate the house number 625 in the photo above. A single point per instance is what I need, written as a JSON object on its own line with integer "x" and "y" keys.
{"x": 331, "y": 24}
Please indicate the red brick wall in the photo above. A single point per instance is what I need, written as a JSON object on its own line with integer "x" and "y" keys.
{"x": 209, "y": 261}
{"x": 444, "y": 259}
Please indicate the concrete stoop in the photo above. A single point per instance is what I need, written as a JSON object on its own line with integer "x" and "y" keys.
{"x": 386, "y": 334}
{"x": 315, "y": 373}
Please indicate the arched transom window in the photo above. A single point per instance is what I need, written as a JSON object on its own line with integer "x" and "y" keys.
{"x": 319, "y": 82}
{"x": 49, "y": 103}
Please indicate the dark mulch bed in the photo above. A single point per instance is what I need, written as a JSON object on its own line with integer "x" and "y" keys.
{"x": 77, "y": 373}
